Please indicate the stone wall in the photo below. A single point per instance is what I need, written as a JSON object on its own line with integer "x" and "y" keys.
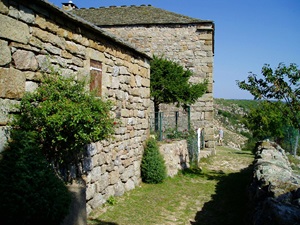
{"x": 275, "y": 190}
{"x": 190, "y": 45}
{"x": 36, "y": 37}
{"x": 176, "y": 156}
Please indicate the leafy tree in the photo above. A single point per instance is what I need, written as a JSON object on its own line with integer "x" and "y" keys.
{"x": 281, "y": 84}
{"x": 267, "y": 120}
{"x": 65, "y": 117}
{"x": 169, "y": 83}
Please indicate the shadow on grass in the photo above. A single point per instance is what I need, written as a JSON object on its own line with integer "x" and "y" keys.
{"x": 100, "y": 222}
{"x": 229, "y": 205}
{"x": 244, "y": 153}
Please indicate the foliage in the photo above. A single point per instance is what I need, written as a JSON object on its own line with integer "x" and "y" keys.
{"x": 179, "y": 135}
{"x": 30, "y": 191}
{"x": 250, "y": 144}
{"x": 267, "y": 121}
{"x": 281, "y": 84}
{"x": 65, "y": 117}
{"x": 169, "y": 84}
{"x": 111, "y": 200}
{"x": 153, "y": 169}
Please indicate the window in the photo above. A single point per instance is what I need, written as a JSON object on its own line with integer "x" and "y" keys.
{"x": 96, "y": 77}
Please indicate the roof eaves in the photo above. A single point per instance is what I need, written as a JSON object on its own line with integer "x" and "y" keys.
{"x": 91, "y": 26}
{"x": 154, "y": 24}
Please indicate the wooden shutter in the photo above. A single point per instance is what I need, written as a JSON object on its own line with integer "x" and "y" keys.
{"x": 96, "y": 77}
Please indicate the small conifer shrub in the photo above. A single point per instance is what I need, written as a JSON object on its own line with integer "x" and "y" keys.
{"x": 153, "y": 167}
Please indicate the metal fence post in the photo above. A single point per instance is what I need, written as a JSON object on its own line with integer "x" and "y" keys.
{"x": 176, "y": 120}
{"x": 160, "y": 115}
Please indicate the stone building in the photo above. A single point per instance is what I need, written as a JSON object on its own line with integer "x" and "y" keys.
{"x": 182, "y": 39}
{"x": 36, "y": 36}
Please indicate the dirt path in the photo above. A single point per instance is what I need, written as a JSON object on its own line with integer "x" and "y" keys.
{"x": 229, "y": 160}
{"x": 232, "y": 170}
{"x": 214, "y": 196}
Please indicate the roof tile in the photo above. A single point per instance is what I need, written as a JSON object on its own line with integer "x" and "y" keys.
{"x": 133, "y": 15}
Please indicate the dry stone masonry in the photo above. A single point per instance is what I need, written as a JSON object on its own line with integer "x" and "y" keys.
{"x": 37, "y": 37}
{"x": 176, "y": 156}
{"x": 182, "y": 39}
{"x": 275, "y": 190}
{"x": 192, "y": 47}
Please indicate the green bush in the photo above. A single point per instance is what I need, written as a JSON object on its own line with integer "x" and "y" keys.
{"x": 30, "y": 191}
{"x": 66, "y": 117}
{"x": 153, "y": 167}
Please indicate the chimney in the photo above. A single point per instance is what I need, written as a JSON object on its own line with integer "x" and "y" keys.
{"x": 69, "y": 6}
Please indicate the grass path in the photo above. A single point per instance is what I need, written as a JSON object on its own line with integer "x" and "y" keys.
{"x": 214, "y": 196}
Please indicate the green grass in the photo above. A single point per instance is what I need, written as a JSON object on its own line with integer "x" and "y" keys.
{"x": 208, "y": 196}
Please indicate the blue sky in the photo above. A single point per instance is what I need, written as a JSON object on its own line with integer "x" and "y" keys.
{"x": 248, "y": 34}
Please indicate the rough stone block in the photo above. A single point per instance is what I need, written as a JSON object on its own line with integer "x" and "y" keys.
{"x": 5, "y": 53}
{"x": 103, "y": 183}
{"x": 119, "y": 189}
{"x": 48, "y": 37}
{"x": 109, "y": 191}
{"x": 14, "y": 30}
{"x": 129, "y": 185}
{"x": 7, "y": 106}
{"x": 12, "y": 83}
{"x": 3, "y": 7}
{"x": 129, "y": 172}
{"x": 25, "y": 60}
{"x": 114, "y": 176}
{"x": 96, "y": 174}
{"x": 30, "y": 86}
{"x": 27, "y": 15}
{"x": 97, "y": 201}
{"x": 90, "y": 191}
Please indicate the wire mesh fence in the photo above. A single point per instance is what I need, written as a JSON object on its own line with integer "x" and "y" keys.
{"x": 176, "y": 125}
{"x": 170, "y": 125}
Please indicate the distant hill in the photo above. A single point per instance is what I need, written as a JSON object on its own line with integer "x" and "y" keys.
{"x": 228, "y": 114}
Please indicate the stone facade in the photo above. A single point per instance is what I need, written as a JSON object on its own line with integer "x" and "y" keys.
{"x": 191, "y": 45}
{"x": 36, "y": 37}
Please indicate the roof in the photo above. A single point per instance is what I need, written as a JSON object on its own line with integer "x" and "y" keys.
{"x": 133, "y": 15}
{"x": 81, "y": 22}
